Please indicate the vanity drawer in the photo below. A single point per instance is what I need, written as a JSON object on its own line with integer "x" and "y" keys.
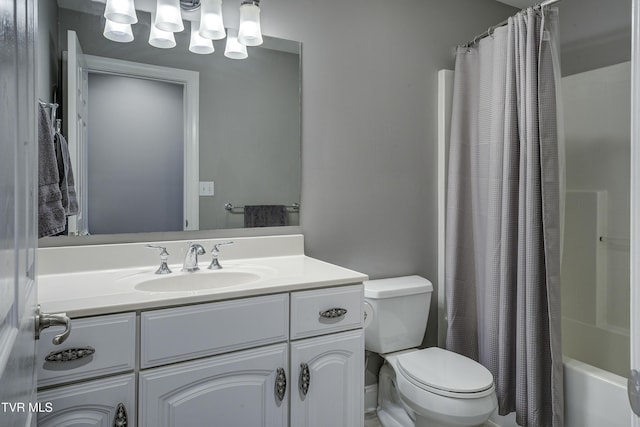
{"x": 177, "y": 334}
{"x": 312, "y": 314}
{"x": 112, "y": 337}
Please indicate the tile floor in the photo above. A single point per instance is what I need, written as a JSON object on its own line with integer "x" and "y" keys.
{"x": 371, "y": 420}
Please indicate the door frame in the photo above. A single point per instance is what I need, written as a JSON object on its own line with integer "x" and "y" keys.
{"x": 635, "y": 195}
{"x": 190, "y": 80}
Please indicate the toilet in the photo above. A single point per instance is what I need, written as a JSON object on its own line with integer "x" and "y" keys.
{"x": 431, "y": 387}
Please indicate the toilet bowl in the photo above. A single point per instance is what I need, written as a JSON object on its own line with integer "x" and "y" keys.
{"x": 442, "y": 388}
{"x": 431, "y": 387}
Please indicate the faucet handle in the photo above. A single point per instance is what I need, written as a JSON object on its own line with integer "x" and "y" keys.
{"x": 164, "y": 256}
{"x": 215, "y": 264}
{"x": 216, "y": 248}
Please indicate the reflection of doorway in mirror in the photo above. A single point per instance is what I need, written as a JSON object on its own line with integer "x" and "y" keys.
{"x": 135, "y": 155}
{"x": 137, "y": 164}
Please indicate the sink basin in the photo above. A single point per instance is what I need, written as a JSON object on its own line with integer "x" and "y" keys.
{"x": 198, "y": 281}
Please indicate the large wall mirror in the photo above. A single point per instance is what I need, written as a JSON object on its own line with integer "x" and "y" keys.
{"x": 167, "y": 140}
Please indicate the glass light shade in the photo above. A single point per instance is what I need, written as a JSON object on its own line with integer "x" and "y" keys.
{"x": 159, "y": 38}
{"x": 235, "y": 49}
{"x": 211, "y": 25}
{"x": 199, "y": 44}
{"x": 168, "y": 16}
{"x": 118, "y": 32}
{"x": 121, "y": 11}
{"x": 249, "y": 33}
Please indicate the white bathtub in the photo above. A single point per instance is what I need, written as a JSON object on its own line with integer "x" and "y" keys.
{"x": 593, "y": 398}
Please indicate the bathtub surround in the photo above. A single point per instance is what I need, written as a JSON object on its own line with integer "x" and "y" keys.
{"x": 503, "y": 231}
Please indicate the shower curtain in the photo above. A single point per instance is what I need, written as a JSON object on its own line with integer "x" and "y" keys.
{"x": 503, "y": 216}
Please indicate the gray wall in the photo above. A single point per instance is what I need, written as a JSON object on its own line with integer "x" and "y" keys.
{"x": 249, "y": 115}
{"x": 369, "y": 124}
{"x": 135, "y": 155}
{"x": 47, "y": 62}
{"x": 594, "y": 34}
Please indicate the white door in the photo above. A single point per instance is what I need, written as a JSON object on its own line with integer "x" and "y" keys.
{"x": 232, "y": 390}
{"x": 18, "y": 192}
{"x": 327, "y": 381}
{"x": 76, "y": 114}
{"x": 634, "y": 377}
{"x": 107, "y": 402}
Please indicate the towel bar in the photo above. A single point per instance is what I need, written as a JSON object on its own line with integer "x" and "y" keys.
{"x": 229, "y": 207}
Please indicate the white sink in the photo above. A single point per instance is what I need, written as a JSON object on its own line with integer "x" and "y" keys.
{"x": 202, "y": 280}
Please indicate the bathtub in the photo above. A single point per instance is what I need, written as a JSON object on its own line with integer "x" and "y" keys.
{"x": 593, "y": 398}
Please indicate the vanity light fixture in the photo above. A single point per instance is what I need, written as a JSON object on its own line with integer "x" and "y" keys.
{"x": 118, "y": 32}
{"x": 159, "y": 38}
{"x": 249, "y": 32}
{"x": 211, "y": 24}
{"x": 169, "y": 16}
{"x": 121, "y": 11}
{"x": 234, "y": 49}
{"x": 199, "y": 44}
{"x": 167, "y": 20}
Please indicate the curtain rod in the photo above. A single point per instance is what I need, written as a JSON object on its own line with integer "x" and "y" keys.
{"x": 479, "y": 37}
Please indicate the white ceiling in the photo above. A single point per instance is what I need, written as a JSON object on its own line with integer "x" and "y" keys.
{"x": 520, "y": 4}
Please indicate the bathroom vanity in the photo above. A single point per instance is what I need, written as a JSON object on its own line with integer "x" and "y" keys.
{"x": 284, "y": 347}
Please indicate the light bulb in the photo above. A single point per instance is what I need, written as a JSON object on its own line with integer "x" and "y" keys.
{"x": 159, "y": 38}
{"x": 118, "y": 32}
{"x": 234, "y": 49}
{"x": 168, "y": 16}
{"x": 249, "y": 32}
{"x": 211, "y": 25}
{"x": 199, "y": 44}
{"x": 121, "y": 11}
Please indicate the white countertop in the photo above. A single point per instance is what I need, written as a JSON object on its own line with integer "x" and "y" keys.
{"x": 89, "y": 293}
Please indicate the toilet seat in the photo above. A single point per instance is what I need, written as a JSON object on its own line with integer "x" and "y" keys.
{"x": 445, "y": 373}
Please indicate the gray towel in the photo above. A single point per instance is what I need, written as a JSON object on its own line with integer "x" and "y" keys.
{"x": 67, "y": 183}
{"x": 51, "y": 217}
{"x": 265, "y": 216}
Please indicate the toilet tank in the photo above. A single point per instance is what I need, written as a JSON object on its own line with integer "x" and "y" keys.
{"x": 397, "y": 313}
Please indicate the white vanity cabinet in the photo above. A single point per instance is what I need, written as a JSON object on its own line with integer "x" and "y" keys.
{"x": 291, "y": 359}
{"x": 236, "y": 388}
{"x": 232, "y": 390}
{"x": 97, "y": 347}
{"x": 327, "y": 371}
{"x": 105, "y": 402}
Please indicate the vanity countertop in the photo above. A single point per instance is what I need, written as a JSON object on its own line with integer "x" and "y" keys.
{"x": 89, "y": 293}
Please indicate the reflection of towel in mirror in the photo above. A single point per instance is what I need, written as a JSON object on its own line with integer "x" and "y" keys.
{"x": 265, "y": 216}
{"x": 51, "y": 217}
{"x": 67, "y": 184}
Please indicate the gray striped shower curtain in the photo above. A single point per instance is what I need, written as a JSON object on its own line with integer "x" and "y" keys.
{"x": 503, "y": 216}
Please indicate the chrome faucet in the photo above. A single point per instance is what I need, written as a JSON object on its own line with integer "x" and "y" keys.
{"x": 215, "y": 265}
{"x": 191, "y": 257}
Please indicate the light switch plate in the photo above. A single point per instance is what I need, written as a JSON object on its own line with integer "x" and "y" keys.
{"x": 206, "y": 188}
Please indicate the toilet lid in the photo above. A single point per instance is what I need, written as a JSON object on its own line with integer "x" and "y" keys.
{"x": 444, "y": 370}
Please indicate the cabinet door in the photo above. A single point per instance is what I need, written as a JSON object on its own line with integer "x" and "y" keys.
{"x": 335, "y": 393}
{"x": 100, "y": 403}
{"x": 231, "y": 390}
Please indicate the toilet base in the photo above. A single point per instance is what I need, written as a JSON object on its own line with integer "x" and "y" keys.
{"x": 394, "y": 410}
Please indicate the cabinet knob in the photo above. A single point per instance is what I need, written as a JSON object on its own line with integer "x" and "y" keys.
{"x": 120, "y": 419}
{"x": 70, "y": 354}
{"x": 281, "y": 384}
{"x": 333, "y": 313}
{"x": 305, "y": 379}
